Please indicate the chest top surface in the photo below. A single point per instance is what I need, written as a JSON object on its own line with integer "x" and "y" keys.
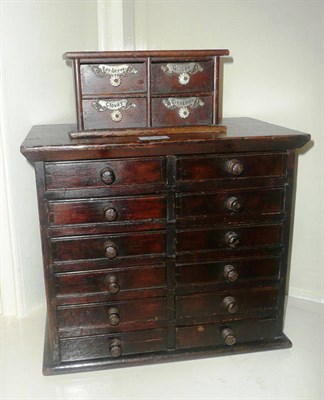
{"x": 53, "y": 142}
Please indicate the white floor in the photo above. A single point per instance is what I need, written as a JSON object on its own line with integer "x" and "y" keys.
{"x": 294, "y": 374}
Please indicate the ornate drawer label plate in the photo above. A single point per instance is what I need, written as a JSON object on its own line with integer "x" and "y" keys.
{"x": 183, "y": 70}
{"x": 114, "y": 71}
{"x": 113, "y": 105}
{"x": 183, "y": 104}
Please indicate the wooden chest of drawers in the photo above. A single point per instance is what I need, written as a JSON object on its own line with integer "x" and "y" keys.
{"x": 146, "y": 88}
{"x": 167, "y": 249}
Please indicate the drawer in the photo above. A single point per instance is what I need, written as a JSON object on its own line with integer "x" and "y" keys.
{"x": 176, "y": 111}
{"x": 180, "y": 77}
{"x": 112, "y": 346}
{"x": 120, "y": 210}
{"x": 114, "y": 113}
{"x": 110, "y": 283}
{"x": 226, "y": 305}
{"x": 233, "y": 237}
{"x": 113, "y": 78}
{"x": 231, "y": 205}
{"x": 224, "y": 335}
{"x": 105, "y": 173}
{"x": 231, "y": 166}
{"x": 109, "y": 247}
{"x": 119, "y": 316}
{"x": 231, "y": 273}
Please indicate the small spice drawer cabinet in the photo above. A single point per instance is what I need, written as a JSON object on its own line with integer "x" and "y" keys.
{"x": 167, "y": 249}
{"x": 116, "y": 90}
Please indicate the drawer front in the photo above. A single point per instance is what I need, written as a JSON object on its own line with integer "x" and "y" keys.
{"x": 113, "y": 346}
{"x": 217, "y": 335}
{"x": 231, "y": 166}
{"x": 109, "y": 247}
{"x": 228, "y": 305}
{"x": 176, "y": 111}
{"x": 231, "y": 273}
{"x": 114, "y": 113}
{"x": 173, "y": 77}
{"x": 110, "y": 210}
{"x": 111, "y": 317}
{"x": 231, "y": 205}
{"x": 112, "y": 283}
{"x": 113, "y": 78}
{"x": 104, "y": 174}
{"x": 232, "y": 238}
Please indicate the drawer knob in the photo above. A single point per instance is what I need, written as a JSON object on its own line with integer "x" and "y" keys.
{"x": 230, "y": 273}
{"x": 234, "y": 167}
{"x": 230, "y": 304}
{"x": 228, "y": 336}
{"x": 113, "y": 316}
{"x": 111, "y": 283}
{"x": 110, "y": 214}
{"x": 110, "y": 249}
{"x": 107, "y": 176}
{"x": 232, "y": 239}
{"x": 233, "y": 204}
{"x": 115, "y": 348}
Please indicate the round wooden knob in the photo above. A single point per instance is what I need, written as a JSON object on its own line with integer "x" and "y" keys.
{"x": 234, "y": 167}
{"x": 113, "y": 316}
{"x": 232, "y": 239}
{"x": 111, "y": 282}
{"x": 228, "y": 336}
{"x": 115, "y": 348}
{"x": 107, "y": 176}
{"x": 230, "y": 304}
{"x": 110, "y": 214}
{"x": 110, "y": 250}
{"x": 233, "y": 204}
{"x": 230, "y": 273}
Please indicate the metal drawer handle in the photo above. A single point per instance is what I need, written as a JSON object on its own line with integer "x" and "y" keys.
{"x": 228, "y": 336}
{"x": 113, "y": 316}
{"x": 230, "y": 304}
{"x": 183, "y": 70}
{"x": 115, "y": 348}
{"x": 183, "y": 104}
{"x": 230, "y": 273}
{"x": 110, "y": 281}
{"x": 114, "y": 71}
{"x": 110, "y": 249}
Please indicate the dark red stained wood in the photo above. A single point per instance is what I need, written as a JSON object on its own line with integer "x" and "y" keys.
{"x": 143, "y": 53}
{"x": 131, "y": 83}
{"x": 209, "y": 239}
{"x": 201, "y": 81}
{"x": 74, "y": 248}
{"x": 94, "y": 347}
{"x": 248, "y": 270}
{"x": 214, "y": 167}
{"x": 163, "y": 116}
{"x": 52, "y": 142}
{"x": 207, "y": 307}
{"x": 264, "y": 201}
{"x": 134, "y": 116}
{"x": 131, "y": 281}
{"x": 169, "y": 237}
{"x": 210, "y": 334}
{"x": 92, "y": 211}
{"x": 82, "y": 175}
{"x": 93, "y": 318}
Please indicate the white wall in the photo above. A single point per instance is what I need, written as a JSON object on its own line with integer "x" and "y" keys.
{"x": 37, "y": 89}
{"x": 276, "y": 74}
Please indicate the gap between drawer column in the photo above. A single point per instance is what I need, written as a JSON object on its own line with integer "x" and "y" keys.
{"x": 171, "y": 250}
